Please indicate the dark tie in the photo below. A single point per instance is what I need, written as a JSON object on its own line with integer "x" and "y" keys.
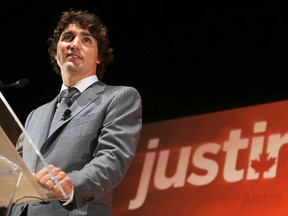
{"x": 67, "y": 97}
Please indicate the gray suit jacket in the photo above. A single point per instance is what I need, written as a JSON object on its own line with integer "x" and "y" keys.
{"x": 95, "y": 146}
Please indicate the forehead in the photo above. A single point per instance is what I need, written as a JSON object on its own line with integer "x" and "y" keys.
{"x": 74, "y": 28}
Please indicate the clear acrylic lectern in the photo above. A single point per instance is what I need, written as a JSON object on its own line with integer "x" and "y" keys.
{"x": 17, "y": 185}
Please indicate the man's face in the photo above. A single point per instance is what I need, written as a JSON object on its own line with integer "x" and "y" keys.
{"x": 77, "y": 52}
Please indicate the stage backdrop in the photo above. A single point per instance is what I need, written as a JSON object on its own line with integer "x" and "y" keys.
{"x": 232, "y": 162}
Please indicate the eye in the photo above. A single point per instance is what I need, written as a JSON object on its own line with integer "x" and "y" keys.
{"x": 87, "y": 40}
{"x": 67, "y": 37}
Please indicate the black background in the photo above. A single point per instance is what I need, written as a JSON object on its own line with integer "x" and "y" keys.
{"x": 184, "y": 57}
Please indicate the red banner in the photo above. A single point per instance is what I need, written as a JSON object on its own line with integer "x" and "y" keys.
{"x": 233, "y": 162}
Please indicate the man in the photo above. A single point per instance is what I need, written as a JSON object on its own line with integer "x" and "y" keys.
{"x": 91, "y": 146}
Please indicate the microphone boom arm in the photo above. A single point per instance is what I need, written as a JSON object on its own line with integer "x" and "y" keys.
{"x": 19, "y": 84}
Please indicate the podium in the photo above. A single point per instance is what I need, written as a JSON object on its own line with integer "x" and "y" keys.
{"x": 17, "y": 185}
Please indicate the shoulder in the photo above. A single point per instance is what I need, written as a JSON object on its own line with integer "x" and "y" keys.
{"x": 44, "y": 108}
{"x": 119, "y": 90}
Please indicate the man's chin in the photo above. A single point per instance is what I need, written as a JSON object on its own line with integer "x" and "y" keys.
{"x": 72, "y": 67}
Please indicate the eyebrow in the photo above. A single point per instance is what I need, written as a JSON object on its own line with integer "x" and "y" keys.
{"x": 82, "y": 33}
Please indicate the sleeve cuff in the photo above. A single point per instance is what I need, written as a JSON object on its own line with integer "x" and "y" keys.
{"x": 71, "y": 195}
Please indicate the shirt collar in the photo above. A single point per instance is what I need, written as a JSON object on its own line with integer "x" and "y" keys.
{"x": 83, "y": 84}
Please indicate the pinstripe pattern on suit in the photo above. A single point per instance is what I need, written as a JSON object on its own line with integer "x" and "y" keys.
{"x": 95, "y": 146}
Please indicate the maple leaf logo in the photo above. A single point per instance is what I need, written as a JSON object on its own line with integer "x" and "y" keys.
{"x": 263, "y": 164}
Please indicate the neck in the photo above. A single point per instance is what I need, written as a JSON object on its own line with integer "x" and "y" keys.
{"x": 70, "y": 80}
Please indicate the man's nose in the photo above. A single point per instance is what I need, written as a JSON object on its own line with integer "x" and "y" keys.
{"x": 75, "y": 43}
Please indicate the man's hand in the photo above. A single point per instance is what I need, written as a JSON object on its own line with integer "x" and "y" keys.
{"x": 46, "y": 181}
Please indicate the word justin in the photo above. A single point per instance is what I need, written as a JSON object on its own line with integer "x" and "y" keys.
{"x": 231, "y": 148}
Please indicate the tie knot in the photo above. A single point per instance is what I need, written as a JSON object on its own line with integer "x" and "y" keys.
{"x": 69, "y": 92}
{"x": 68, "y": 95}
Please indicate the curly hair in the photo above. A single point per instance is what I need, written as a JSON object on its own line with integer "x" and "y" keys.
{"x": 85, "y": 20}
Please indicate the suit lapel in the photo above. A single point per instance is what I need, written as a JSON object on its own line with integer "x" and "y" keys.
{"x": 43, "y": 126}
{"x": 86, "y": 98}
{"x": 46, "y": 118}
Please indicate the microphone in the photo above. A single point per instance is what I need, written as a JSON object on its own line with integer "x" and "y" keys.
{"x": 19, "y": 84}
{"x": 66, "y": 114}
